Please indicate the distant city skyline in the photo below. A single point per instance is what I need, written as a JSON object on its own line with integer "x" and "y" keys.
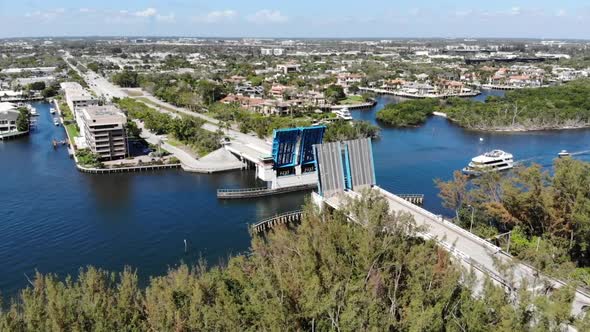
{"x": 291, "y": 19}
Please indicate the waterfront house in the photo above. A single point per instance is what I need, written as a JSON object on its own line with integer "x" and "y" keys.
{"x": 245, "y": 102}
{"x": 279, "y": 90}
{"x": 274, "y": 107}
{"x": 8, "y": 116}
{"x": 248, "y": 90}
{"x": 345, "y": 80}
{"x": 394, "y": 84}
{"x": 450, "y": 87}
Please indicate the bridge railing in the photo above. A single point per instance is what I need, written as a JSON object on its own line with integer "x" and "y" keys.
{"x": 284, "y": 218}
{"x": 441, "y": 220}
{"x": 242, "y": 190}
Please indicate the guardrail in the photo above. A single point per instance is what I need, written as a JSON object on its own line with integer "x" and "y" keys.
{"x": 439, "y": 219}
{"x": 260, "y": 192}
{"x": 280, "y": 219}
{"x": 580, "y": 290}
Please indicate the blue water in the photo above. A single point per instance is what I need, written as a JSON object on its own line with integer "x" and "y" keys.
{"x": 408, "y": 160}
{"x": 55, "y": 219}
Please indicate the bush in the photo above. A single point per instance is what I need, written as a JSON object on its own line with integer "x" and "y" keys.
{"x": 407, "y": 114}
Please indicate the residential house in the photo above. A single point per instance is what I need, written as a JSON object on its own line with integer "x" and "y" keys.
{"x": 345, "y": 80}
{"x": 8, "y": 116}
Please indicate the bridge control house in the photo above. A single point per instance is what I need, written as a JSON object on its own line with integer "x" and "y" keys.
{"x": 293, "y": 160}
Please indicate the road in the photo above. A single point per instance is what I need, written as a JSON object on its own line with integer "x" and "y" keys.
{"x": 473, "y": 251}
{"x": 246, "y": 145}
{"x": 218, "y": 161}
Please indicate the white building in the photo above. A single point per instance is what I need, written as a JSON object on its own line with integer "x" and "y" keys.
{"x": 272, "y": 51}
{"x": 8, "y": 116}
{"x": 289, "y": 68}
{"x": 104, "y": 131}
{"x": 76, "y": 96}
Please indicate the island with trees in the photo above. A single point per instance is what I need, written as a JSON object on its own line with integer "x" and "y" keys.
{"x": 564, "y": 106}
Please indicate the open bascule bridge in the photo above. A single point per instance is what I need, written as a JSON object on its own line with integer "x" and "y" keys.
{"x": 345, "y": 169}
{"x": 286, "y": 166}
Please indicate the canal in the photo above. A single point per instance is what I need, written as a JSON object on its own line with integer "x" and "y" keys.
{"x": 55, "y": 219}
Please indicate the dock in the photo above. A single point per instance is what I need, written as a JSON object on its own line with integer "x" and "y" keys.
{"x": 13, "y": 135}
{"x": 261, "y": 192}
{"x": 402, "y": 94}
{"x": 132, "y": 169}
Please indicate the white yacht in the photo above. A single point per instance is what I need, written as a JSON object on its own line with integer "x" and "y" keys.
{"x": 343, "y": 114}
{"x": 493, "y": 161}
{"x": 56, "y": 122}
{"x": 33, "y": 112}
{"x": 52, "y": 110}
{"x": 563, "y": 154}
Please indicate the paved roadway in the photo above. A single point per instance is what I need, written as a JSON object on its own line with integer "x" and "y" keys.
{"x": 217, "y": 161}
{"x": 473, "y": 251}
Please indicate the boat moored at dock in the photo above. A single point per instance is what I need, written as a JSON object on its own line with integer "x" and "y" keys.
{"x": 343, "y": 114}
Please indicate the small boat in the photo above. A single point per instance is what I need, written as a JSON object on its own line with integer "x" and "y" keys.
{"x": 56, "y": 122}
{"x": 481, "y": 139}
{"x": 563, "y": 153}
{"x": 52, "y": 110}
{"x": 33, "y": 112}
{"x": 493, "y": 161}
{"x": 343, "y": 114}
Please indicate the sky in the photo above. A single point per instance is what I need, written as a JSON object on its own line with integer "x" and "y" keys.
{"x": 548, "y": 19}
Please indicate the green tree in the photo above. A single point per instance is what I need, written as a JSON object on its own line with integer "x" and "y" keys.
{"x": 23, "y": 119}
{"x": 334, "y": 93}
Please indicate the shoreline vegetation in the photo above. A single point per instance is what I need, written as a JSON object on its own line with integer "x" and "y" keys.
{"x": 327, "y": 274}
{"x": 549, "y": 108}
{"x": 547, "y": 214}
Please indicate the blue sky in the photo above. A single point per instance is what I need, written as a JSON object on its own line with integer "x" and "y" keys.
{"x": 297, "y": 18}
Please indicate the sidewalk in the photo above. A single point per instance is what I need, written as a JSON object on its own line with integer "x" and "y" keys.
{"x": 218, "y": 161}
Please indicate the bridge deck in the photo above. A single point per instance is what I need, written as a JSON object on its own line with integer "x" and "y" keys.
{"x": 472, "y": 250}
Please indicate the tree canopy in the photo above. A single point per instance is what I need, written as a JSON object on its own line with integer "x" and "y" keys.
{"x": 408, "y": 113}
{"x": 555, "y": 107}
{"x": 327, "y": 274}
{"x": 547, "y": 214}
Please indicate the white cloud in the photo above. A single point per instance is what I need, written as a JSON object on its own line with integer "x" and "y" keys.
{"x": 217, "y": 16}
{"x": 268, "y": 16}
{"x": 464, "y": 13}
{"x": 48, "y": 14}
{"x": 170, "y": 18}
{"x": 561, "y": 13}
{"x": 515, "y": 11}
{"x": 148, "y": 12}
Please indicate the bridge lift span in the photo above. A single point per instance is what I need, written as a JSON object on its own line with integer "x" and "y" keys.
{"x": 346, "y": 168}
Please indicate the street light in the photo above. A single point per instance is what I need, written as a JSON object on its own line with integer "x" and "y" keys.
{"x": 471, "y": 225}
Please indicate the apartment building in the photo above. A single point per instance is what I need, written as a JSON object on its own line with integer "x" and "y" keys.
{"x": 76, "y": 96}
{"x": 104, "y": 131}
